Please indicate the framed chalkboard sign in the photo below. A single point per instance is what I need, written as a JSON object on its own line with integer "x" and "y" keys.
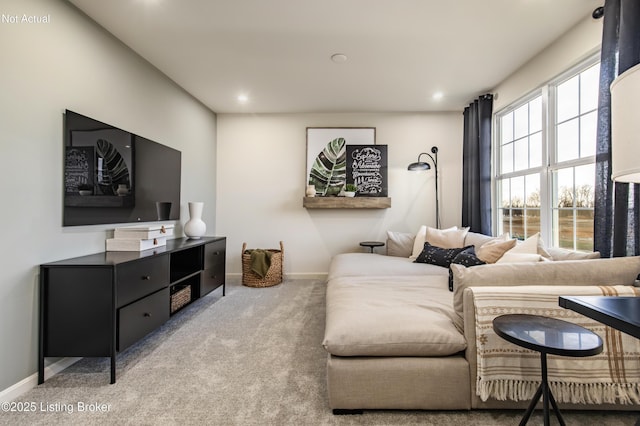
{"x": 367, "y": 169}
{"x": 79, "y": 168}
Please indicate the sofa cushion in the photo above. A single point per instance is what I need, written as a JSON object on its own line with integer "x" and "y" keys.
{"x": 368, "y": 264}
{"x": 492, "y": 251}
{"x": 476, "y": 239}
{"x": 440, "y": 256}
{"x": 446, "y": 238}
{"x": 399, "y": 244}
{"x": 564, "y": 254}
{"x": 610, "y": 271}
{"x": 391, "y": 316}
{"x": 509, "y": 257}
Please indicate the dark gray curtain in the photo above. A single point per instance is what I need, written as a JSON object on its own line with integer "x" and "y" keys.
{"x": 476, "y": 165}
{"x": 616, "y": 204}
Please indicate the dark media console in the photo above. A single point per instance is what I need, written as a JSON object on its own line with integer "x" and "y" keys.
{"x": 100, "y": 304}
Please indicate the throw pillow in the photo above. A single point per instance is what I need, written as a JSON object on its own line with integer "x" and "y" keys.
{"x": 492, "y": 251}
{"x": 418, "y": 242}
{"x": 399, "y": 244}
{"x": 476, "y": 239}
{"x": 446, "y": 238}
{"x": 534, "y": 245}
{"x": 509, "y": 257}
{"x": 565, "y": 254}
{"x": 439, "y": 256}
{"x": 466, "y": 258}
{"x": 530, "y": 245}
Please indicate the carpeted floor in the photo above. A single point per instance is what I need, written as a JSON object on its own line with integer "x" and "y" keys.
{"x": 251, "y": 358}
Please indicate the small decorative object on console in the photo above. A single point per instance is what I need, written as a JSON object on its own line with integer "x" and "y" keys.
{"x": 139, "y": 238}
{"x": 195, "y": 227}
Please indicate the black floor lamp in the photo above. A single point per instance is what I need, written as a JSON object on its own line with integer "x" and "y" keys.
{"x": 422, "y": 165}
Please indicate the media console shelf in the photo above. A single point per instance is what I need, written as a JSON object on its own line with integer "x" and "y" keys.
{"x": 100, "y": 304}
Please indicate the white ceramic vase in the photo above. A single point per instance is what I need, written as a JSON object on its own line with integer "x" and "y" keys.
{"x": 195, "y": 227}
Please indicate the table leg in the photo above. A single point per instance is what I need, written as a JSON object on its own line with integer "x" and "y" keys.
{"x": 545, "y": 388}
{"x": 532, "y": 406}
{"x": 547, "y": 397}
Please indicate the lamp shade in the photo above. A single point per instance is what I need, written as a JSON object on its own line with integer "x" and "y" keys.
{"x": 420, "y": 165}
{"x": 625, "y": 126}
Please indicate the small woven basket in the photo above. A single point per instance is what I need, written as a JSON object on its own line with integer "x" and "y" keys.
{"x": 180, "y": 298}
{"x": 274, "y": 274}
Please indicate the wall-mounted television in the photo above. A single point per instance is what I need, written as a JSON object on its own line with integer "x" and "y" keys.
{"x": 114, "y": 176}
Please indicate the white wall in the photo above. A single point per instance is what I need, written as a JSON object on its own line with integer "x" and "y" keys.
{"x": 576, "y": 45}
{"x": 46, "y": 68}
{"x": 262, "y": 179}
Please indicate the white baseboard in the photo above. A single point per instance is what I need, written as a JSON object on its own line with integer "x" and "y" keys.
{"x": 25, "y": 385}
{"x": 236, "y": 277}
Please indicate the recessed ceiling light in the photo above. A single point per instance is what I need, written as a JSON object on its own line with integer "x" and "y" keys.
{"x": 437, "y": 96}
{"x": 339, "y": 58}
{"x": 243, "y": 98}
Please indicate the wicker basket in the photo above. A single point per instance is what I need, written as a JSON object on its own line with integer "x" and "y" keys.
{"x": 274, "y": 274}
{"x": 180, "y": 298}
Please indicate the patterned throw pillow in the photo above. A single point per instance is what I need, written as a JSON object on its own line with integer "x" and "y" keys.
{"x": 465, "y": 258}
{"x": 438, "y": 255}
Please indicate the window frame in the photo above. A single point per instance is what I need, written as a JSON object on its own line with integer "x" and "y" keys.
{"x": 550, "y": 165}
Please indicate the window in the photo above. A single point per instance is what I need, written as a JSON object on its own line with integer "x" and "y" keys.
{"x": 545, "y": 153}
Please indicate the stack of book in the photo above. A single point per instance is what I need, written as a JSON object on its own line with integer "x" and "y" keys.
{"x": 139, "y": 238}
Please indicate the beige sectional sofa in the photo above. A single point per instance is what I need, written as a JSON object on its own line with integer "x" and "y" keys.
{"x": 398, "y": 338}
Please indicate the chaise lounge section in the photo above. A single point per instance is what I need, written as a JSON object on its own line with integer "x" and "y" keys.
{"x": 398, "y": 338}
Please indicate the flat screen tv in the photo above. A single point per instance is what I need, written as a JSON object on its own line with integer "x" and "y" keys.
{"x": 114, "y": 176}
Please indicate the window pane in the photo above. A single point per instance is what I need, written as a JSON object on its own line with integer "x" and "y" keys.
{"x": 568, "y": 141}
{"x": 584, "y": 186}
{"x": 521, "y": 121}
{"x": 532, "y": 221}
{"x": 588, "y": 130}
{"x": 505, "y": 222}
{"x": 584, "y": 230}
{"x": 505, "y": 194}
{"x": 589, "y": 88}
{"x": 532, "y": 184}
{"x": 506, "y": 128}
{"x": 507, "y": 158}
{"x": 563, "y": 188}
{"x": 535, "y": 115}
{"x": 565, "y": 228}
{"x": 568, "y": 96}
{"x": 517, "y": 192}
{"x": 517, "y": 209}
{"x": 535, "y": 150}
{"x": 521, "y": 155}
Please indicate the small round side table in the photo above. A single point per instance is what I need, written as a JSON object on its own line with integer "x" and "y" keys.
{"x": 372, "y": 244}
{"x": 547, "y": 336}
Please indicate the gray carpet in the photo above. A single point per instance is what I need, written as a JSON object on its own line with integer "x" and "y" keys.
{"x": 250, "y": 358}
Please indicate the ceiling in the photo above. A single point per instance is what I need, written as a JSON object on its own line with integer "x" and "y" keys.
{"x": 278, "y": 52}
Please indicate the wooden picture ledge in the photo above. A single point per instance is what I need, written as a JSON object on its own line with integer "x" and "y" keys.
{"x": 346, "y": 202}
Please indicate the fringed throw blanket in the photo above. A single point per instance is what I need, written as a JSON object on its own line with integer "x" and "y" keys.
{"x": 506, "y": 371}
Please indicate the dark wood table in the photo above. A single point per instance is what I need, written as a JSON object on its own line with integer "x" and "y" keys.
{"x": 621, "y": 313}
{"x": 372, "y": 244}
{"x": 547, "y": 336}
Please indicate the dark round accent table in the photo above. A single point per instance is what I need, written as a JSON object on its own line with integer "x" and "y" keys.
{"x": 372, "y": 244}
{"x": 547, "y": 336}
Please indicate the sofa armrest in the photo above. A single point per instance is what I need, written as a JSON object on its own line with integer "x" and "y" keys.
{"x": 614, "y": 271}
{"x": 488, "y": 302}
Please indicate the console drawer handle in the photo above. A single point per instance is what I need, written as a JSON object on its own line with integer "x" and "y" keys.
{"x": 146, "y": 315}
{"x": 146, "y": 277}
